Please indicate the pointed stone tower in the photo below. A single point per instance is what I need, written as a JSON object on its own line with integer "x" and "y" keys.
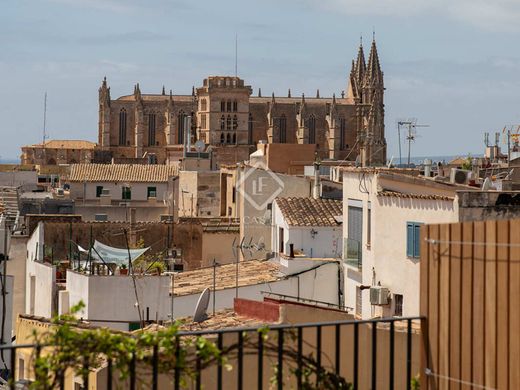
{"x": 139, "y": 122}
{"x": 104, "y": 115}
{"x": 373, "y": 142}
{"x": 357, "y": 76}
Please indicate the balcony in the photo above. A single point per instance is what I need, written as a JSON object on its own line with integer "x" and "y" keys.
{"x": 353, "y": 253}
{"x": 382, "y": 353}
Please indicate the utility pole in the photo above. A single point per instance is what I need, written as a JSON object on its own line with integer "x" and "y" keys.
{"x": 411, "y": 135}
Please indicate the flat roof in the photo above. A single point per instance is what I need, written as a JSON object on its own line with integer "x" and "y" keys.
{"x": 250, "y": 273}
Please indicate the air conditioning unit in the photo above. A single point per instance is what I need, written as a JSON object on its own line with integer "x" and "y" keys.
{"x": 459, "y": 176}
{"x": 124, "y": 204}
{"x": 379, "y": 295}
{"x": 101, "y": 217}
{"x": 174, "y": 253}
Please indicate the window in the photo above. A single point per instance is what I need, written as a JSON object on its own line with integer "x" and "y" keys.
{"x": 235, "y": 122}
{"x": 359, "y": 301}
{"x": 122, "y": 127}
{"x": 222, "y": 122}
{"x": 222, "y": 106}
{"x": 203, "y": 121}
{"x": 283, "y": 129}
{"x": 222, "y": 138}
{"x": 342, "y": 135}
{"x": 235, "y": 106}
{"x": 250, "y": 130}
{"x": 228, "y": 122}
{"x": 280, "y": 240}
{"x": 151, "y": 192}
{"x": 398, "y": 305}
{"x": 311, "y": 124}
{"x": 354, "y": 234}
{"x": 234, "y": 195}
{"x": 151, "y": 129}
{"x": 234, "y": 138}
{"x": 413, "y": 239}
{"x": 228, "y": 106}
{"x": 203, "y": 105}
{"x": 180, "y": 127}
{"x": 126, "y": 193}
{"x": 21, "y": 368}
{"x": 99, "y": 190}
{"x": 228, "y": 138}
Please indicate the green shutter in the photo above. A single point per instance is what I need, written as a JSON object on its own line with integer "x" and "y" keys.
{"x": 417, "y": 240}
{"x": 409, "y": 239}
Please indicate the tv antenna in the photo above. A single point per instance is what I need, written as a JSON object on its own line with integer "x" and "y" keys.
{"x": 411, "y": 126}
{"x": 44, "y": 119}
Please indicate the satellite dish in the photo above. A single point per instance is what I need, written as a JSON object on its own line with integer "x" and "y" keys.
{"x": 200, "y": 145}
{"x": 201, "y": 307}
{"x": 487, "y": 184}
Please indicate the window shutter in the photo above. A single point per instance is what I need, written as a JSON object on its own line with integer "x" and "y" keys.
{"x": 417, "y": 240}
{"x": 409, "y": 239}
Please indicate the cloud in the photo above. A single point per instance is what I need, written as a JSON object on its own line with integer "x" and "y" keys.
{"x": 495, "y": 15}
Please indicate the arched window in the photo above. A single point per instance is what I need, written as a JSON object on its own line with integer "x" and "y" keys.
{"x": 234, "y": 138}
{"x": 203, "y": 105}
{"x": 228, "y": 122}
{"x": 250, "y": 129}
{"x": 342, "y": 133}
{"x": 228, "y": 105}
{"x": 235, "y": 106}
{"x": 222, "y": 122}
{"x": 180, "y": 127}
{"x": 228, "y": 138}
{"x": 222, "y": 106}
{"x": 222, "y": 138}
{"x": 151, "y": 129}
{"x": 283, "y": 129}
{"x": 122, "y": 127}
{"x": 235, "y": 122}
{"x": 311, "y": 124}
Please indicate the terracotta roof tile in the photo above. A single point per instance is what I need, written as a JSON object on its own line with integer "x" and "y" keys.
{"x": 122, "y": 172}
{"x": 310, "y": 211}
{"x": 413, "y": 196}
{"x": 223, "y": 319}
{"x": 249, "y": 273}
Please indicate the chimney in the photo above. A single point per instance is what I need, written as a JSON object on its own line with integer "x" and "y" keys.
{"x": 317, "y": 180}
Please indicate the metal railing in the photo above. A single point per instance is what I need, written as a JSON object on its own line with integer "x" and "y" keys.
{"x": 374, "y": 353}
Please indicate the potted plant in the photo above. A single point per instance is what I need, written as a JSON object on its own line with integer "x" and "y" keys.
{"x": 157, "y": 267}
{"x": 123, "y": 270}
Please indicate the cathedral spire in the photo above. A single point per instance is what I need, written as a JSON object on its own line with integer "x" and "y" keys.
{"x": 272, "y": 99}
{"x": 259, "y": 92}
{"x": 137, "y": 92}
{"x": 289, "y": 93}
{"x": 374, "y": 68}
{"x": 104, "y": 92}
{"x": 318, "y": 93}
{"x": 359, "y": 67}
{"x": 163, "y": 91}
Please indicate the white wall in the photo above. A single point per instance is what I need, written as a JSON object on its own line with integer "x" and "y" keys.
{"x": 139, "y": 190}
{"x": 326, "y": 243}
{"x": 113, "y": 298}
{"x": 385, "y": 260}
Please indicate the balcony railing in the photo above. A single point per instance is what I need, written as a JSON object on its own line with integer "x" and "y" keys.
{"x": 379, "y": 353}
{"x": 353, "y": 253}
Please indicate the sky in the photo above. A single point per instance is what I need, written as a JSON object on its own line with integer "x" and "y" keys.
{"x": 453, "y": 65}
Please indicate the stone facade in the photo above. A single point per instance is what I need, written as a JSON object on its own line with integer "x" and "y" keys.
{"x": 56, "y": 152}
{"x": 228, "y": 118}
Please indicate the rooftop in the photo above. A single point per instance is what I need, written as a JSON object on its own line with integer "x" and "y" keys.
{"x": 65, "y": 144}
{"x": 121, "y": 173}
{"x": 396, "y": 194}
{"x": 249, "y": 273}
{"x": 310, "y": 211}
{"x": 223, "y": 319}
{"x": 157, "y": 98}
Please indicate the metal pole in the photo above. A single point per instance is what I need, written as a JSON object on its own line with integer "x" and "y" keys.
{"x": 236, "y": 277}
{"x": 409, "y": 142}
{"x": 173, "y": 287}
{"x": 508, "y": 148}
{"x": 399, "y": 139}
{"x": 214, "y": 283}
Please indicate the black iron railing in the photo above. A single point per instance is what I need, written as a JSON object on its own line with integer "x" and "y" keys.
{"x": 371, "y": 354}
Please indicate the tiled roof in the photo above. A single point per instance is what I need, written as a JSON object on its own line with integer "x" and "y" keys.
{"x": 414, "y": 196}
{"x": 122, "y": 173}
{"x": 310, "y": 211}
{"x": 249, "y": 273}
{"x": 223, "y": 319}
{"x": 66, "y": 144}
